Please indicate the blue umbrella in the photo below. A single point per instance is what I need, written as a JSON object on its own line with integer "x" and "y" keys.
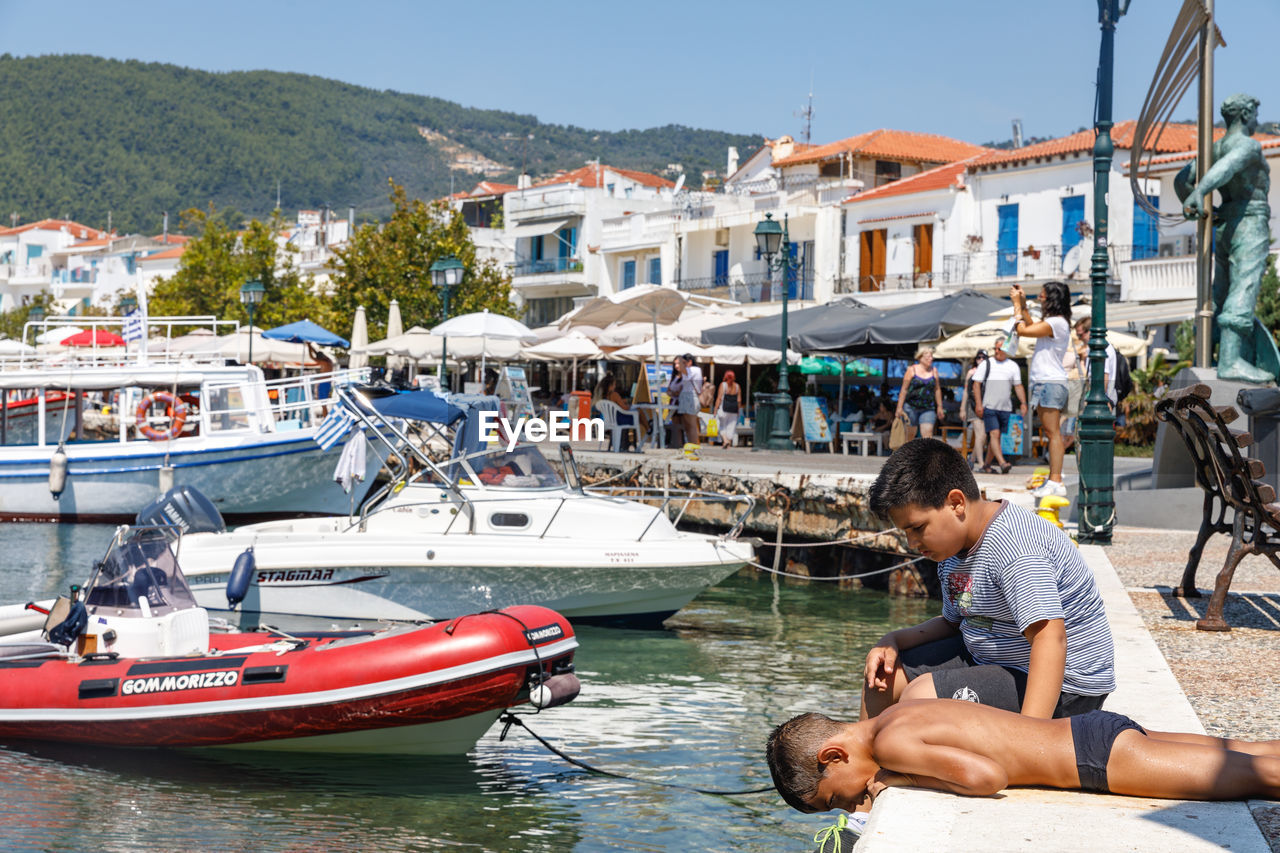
{"x": 305, "y": 332}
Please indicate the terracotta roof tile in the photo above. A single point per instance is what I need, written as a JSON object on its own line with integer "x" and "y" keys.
{"x": 593, "y": 177}
{"x": 1268, "y": 142}
{"x": 75, "y": 229}
{"x": 937, "y": 178}
{"x": 915, "y": 215}
{"x": 171, "y": 238}
{"x": 485, "y": 188}
{"x": 890, "y": 145}
{"x": 1174, "y": 138}
{"x": 175, "y": 252}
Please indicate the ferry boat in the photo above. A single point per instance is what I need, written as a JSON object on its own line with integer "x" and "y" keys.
{"x": 485, "y": 529}
{"x": 104, "y": 434}
{"x": 133, "y": 663}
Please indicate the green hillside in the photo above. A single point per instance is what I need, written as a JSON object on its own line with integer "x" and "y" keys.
{"x": 82, "y": 136}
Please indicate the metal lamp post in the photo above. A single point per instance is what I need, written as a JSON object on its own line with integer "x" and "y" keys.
{"x": 775, "y": 409}
{"x": 1097, "y": 422}
{"x": 446, "y": 273}
{"x": 251, "y": 294}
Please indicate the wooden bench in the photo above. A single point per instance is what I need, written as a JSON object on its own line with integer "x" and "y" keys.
{"x": 1236, "y": 500}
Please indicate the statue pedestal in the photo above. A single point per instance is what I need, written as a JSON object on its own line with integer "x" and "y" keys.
{"x": 1171, "y": 466}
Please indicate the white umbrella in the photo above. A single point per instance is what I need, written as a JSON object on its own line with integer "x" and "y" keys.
{"x": 487, "y": 327}
{"x": 57, "y": 334}
{"x": 420, "y": 345}
{"x": 236, "y": 346}
{"x": 9, "y": 346}
{"x": 395, "y": 326}
{"x": 197, "y": 339}
{"x": 572, "y": 346}
{"x": 966, "y": 342}
{"x": 359, "y": 340}
{"x": 651, "y": 302}
{"x": 725, "y": 354}
{"x": 626, "y": 334}
{"x": 664, "y": 348}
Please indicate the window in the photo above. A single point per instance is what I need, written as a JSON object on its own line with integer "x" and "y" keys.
{"x": 887, "y": 171}
{"x": 541, "y": 312}
{"x": 1007, "y": 242}
{"x": 628, "y": 274}
{"x": 1146, "y": 231}
{"x": 871, "y": 259}
{"x": 34, "y": 251}
{"x": 509, "y": 519}
{"x": 655, "y": 270}
{"x": 922, "y": 237}
{"x": 720, "y": 260}
{"x": 1072, "y": 216}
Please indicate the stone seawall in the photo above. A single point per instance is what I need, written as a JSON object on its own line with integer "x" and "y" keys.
{"x": 811, "y": 508}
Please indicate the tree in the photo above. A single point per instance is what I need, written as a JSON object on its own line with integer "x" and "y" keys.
{"x": 219, "y": 260}
{"x": 1269, "y": 297}
{"x": 380, "y": 264}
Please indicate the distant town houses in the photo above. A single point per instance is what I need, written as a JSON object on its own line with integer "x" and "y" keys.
{"x": 887, "y": 217}
{"x": 80, "y": 266}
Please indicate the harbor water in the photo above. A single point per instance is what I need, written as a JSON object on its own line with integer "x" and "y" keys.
{"x": 691, "y": 704}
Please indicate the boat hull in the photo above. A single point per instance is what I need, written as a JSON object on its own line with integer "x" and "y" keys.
{"x": 420, "y": 690}
{"x": 345, "y": 578}
{"x": 246, "y": 481}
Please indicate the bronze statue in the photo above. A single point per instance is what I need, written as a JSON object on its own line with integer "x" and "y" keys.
{"x": 1241, "y": 240}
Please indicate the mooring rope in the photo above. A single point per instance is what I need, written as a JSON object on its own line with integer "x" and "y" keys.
{"x": 872, "y": 573}
{"x": 509, "y": 719}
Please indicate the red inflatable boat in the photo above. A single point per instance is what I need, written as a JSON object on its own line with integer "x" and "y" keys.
{"x": 133, "y": 663}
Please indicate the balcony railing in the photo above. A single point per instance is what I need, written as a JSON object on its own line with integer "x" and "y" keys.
{"x": 1033, "y": 262}
{"x": 751, "y": 287}
{"x": 874, "y": 283}
{"x": 546, "y": 265}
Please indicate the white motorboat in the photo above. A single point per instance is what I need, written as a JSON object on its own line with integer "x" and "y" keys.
{"x": 101, "y": 436}
{"x": 483, "y": 531}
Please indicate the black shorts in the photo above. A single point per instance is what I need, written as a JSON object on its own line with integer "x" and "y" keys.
{"x": 1093, "y": 735}
{"x": 957, "y": 676}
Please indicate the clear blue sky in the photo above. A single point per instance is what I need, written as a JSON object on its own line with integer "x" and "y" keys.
{"x": 963, "y": 69}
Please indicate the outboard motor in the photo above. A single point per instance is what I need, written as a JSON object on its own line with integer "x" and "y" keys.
{"x": 241, "y": 576}
{"x": 185, "y": 508}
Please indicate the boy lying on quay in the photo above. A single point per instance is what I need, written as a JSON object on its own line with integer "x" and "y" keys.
{"x": 820, "y": 764}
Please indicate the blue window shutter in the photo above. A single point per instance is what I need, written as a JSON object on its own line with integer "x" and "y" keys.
{"x": 655, "y": 270}
{"x": 1072, "y": 216}
{"x": 1007, "y": 242}
{"x": 722, "y": 267}
{"x": 1146, "y": 231}
{"x": 628, "y": 274}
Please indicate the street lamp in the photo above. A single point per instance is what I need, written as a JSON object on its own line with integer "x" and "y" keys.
{"x": 774, "y": 410}
{"x": 1097, "y": 433}
{"x": 251, "y": 294}
{"x": 446, "y": 273}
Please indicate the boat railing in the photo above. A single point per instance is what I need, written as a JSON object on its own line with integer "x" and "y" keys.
{"x": 384, "y": 430}
{"x": 678, "y": 499}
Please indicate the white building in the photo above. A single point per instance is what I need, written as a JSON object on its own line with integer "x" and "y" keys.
{"x": 482, "y": 210}
{"x": 314, "y": 239}
{"x": 27, "y": 257}
{"x": 556, "y": 226}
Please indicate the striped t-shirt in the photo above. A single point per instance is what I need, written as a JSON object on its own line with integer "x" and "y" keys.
{"x": 1024, "y": 570}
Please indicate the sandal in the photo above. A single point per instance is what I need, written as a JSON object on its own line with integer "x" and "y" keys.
{"x": 1006, "y": 468}
{"x": 989, "y": 469}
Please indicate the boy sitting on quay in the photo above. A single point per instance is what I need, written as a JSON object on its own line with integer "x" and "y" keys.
{"x": 820, "y": 764}
{"x": 1022, "y": 627}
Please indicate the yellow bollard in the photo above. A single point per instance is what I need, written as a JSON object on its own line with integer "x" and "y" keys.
{"x": 1037, "y": 478}
{"x": 1050, "y": 506}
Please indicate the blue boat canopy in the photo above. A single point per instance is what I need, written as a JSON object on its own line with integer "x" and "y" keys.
{"x": 305, "y": 332}
{"x": 418, "y": 406}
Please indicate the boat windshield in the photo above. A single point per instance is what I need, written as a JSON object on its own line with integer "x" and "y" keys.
{"x": 140, "y": 577}
{"x": 522, "y": 467}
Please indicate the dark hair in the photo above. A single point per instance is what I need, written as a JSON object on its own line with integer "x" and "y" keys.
{"x": 1057, "y": 300}
{"x": 792, "y": 752}
{"x": 923, "y": 472}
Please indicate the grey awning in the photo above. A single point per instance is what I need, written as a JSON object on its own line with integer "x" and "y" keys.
{"x": 537, "y": 229}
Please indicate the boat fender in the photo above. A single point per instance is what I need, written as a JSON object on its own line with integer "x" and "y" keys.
{"x": 241, "y": 575}
{"x": 58, "y": 472}
{"x": 556, "y": 690}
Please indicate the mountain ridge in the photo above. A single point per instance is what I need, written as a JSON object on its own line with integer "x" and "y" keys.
{"x": 83, "y": 137}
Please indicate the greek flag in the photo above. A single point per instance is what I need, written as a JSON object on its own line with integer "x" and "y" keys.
{"x": 133, "y": 325}
{"x": 334, "y": 427}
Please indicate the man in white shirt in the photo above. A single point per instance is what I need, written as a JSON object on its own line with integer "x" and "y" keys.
{"x": 1083, "y": 326}
{"x": 995, "y": 384}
